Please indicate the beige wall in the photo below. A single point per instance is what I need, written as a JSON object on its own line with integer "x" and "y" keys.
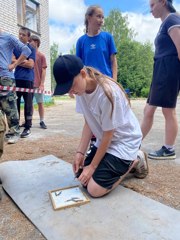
{"x": 8, "y": 22}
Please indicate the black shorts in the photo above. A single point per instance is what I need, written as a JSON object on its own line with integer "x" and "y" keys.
{"x": 165, "y": 85}
{"x": 109, "y": 170}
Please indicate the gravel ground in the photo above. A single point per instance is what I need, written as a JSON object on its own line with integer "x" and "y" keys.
{"x": 61, "y": 139}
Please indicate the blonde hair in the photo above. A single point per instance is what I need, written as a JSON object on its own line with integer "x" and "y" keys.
{"x": 103, "y": 81}
{"x": 89, "y": 12}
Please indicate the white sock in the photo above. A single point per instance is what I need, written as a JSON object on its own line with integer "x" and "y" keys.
{"x": 170, "y": 147}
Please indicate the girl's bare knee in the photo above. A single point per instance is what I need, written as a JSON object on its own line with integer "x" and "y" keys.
{"x": 95, "y": 190}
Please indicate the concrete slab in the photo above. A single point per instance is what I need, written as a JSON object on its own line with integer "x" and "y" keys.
{"x": 123, "y": 214}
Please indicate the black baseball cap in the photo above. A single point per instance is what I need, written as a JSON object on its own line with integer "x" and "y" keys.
{"x": 65, "y": 68}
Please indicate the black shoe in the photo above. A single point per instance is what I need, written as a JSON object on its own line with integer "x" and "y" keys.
{"x": 26, "y": 133}
{"x": 162, "y": 154}
{"x": 43, "y": 125}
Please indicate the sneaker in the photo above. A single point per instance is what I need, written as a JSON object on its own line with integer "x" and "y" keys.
{"x": 43, "y": 125}
{"x": 162, "y": 154}
{"x": 141, "y": 170}
{"x": 13, "y": 139}
{"x": 8, "y": 136}
{"x": 26, "y": 133}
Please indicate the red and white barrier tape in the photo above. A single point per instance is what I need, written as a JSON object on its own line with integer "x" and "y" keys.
{"x": 28, "y": 90}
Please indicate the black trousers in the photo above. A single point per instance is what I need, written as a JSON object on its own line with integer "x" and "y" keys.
{"x": 28, "y": 101}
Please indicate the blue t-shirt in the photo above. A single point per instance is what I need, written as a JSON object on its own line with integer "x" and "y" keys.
{"x": 7, "y": 45}
{"x": 96, "y": 51}
{"x": 164, "y": 45}
{"x": 22, "y": 73}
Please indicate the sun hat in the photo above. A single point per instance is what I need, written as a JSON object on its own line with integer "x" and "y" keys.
{"x": 65, "y": 68}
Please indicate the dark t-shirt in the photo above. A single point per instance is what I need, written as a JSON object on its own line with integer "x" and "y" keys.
{"x": 23, "y": 73}
{"x": 164, "y": 45}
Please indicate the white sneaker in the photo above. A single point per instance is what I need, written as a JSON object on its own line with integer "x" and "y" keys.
{"x": 13, "y": 139}
{"x": 142, "y": 169}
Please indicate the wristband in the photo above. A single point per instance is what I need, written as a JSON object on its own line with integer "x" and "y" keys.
{"x": 80, "y": 153}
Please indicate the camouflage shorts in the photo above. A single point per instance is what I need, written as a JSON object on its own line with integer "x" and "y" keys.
{"x": 8, "y": 106}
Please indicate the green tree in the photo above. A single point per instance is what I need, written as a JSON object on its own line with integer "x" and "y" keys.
{"x": 53, "y": 56}
{"x": 73, "y": 50}
{"x": 117, "y": 25}
{"x": 135, "y": 60}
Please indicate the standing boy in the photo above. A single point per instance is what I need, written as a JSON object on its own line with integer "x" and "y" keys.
{"x": 24, "y": 76}
{"x": 39, "y": 79}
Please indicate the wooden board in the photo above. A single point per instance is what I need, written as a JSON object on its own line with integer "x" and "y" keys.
{"x": 68, "y": 197}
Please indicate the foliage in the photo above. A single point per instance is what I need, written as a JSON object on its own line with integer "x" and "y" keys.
{"x": 135, "y": 59}
{"x": 73, "y": 50}
{"x": 53, "y": 56}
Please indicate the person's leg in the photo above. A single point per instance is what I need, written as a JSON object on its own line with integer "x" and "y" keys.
{"x": 167, "y": 151}
{"x": 171, "y": 125}
{"x": 95, "y": 190}
{"x": 148, "y": 118}
{"x": 112, "y": 170}
{"x": 28, "y": 109}
{"x": 18, "y": 101}
{"x": 28, "y": 105}
{"x": 9, "y": 107}
{"x": 41, "y": 111}
{"x": 40, "y": 101}
{"x": 2, "y": 131}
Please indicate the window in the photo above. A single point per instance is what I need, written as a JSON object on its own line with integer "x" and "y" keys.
{"x": 28, "y": 14}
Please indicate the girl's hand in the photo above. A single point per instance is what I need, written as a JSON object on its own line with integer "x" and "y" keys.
{"x": 78, "y": 162}
{"x": 86, "y": 175}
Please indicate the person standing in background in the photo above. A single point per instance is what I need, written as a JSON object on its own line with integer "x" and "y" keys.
{"x": 24, "y": 76}
{"x": 8, "y": 98}
{"x": 39, "y": 79}
{"x": 97, "y": 48}
{"x": 165, "y": 84}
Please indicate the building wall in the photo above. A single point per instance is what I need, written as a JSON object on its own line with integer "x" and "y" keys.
{"x": 8, "y": 22}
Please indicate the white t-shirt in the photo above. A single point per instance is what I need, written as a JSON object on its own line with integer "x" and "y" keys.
{"x": 96, "y": 109}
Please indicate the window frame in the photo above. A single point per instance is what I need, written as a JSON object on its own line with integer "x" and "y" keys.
{"x": 21, "y": 14}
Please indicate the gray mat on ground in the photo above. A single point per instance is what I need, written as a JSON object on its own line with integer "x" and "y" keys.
{"x": 124, "y": 214}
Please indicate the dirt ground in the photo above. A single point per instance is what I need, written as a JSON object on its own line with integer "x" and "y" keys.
{"x": 162, "y": 183}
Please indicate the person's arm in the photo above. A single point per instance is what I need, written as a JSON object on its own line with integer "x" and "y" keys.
{"x": 28, "y": 63}
{"x": 43, "y": 76}
{"x": 114, "y": 66}
{"x": 175, "y": 36}
{"x": 82, "y": 148}
{"x": 17, "y": 62}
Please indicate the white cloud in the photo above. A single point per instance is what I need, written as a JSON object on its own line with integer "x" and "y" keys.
{"x": 68, "y": 12}
{"x": 67, "y": 23}
{"x": 64, "y": 37}
{"x": 145, "y": 26}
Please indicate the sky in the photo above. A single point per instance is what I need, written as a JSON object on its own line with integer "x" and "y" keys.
{"x": 66, "y": 19}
